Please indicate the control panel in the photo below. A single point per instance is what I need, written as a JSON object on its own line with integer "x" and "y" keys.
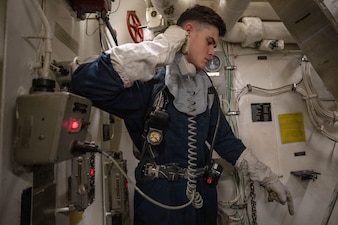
{"x": 47, "y": 124}
{"x": 116, "y": 187}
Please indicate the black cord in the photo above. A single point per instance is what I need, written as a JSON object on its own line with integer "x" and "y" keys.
{"x": 111, "y": 30}
{"x": 217, "y": 124}
{"x": 82, "y": 147}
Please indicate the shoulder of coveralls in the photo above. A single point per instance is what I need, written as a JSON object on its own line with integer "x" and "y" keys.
{"x": 159, "y": 73}
{"x": 158, "y": 79}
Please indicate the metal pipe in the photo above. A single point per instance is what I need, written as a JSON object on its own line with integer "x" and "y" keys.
{"x": 48, "y": 40}
{"x": 231, "y": 11}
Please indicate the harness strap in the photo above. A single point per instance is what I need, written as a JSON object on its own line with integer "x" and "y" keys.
{"x": 211, "y": 97}
{"x": 156, "y": 119}
{"x": 148, "y": 170}
{"x": 171, "y": 172}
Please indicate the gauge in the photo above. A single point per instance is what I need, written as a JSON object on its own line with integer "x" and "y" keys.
{"x": 154, "y": 136}
{"x": 214, "y": 64}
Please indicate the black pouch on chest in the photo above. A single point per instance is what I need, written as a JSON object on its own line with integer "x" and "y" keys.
{"x": 158, "y": 120}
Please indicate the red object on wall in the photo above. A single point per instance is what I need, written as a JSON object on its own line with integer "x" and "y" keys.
{"x": 134, "y": 27}
{"x": 80, "y": 7}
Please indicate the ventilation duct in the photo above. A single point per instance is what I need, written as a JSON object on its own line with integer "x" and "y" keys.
{"x": 316, "y": 33}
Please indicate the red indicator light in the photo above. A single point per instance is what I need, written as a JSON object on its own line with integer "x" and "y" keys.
{"x": 209, "y": 180}
{"x": 74, "y": 125}
{"x": 92, "y": 172}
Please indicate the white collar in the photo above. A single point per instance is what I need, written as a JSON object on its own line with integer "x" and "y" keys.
{"x": 190, "y": 93}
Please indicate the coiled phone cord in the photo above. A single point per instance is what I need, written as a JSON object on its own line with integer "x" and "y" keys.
{"x": 191, "y": 192}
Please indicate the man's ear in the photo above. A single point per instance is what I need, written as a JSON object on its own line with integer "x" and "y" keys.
{"x": 189, "y": 27}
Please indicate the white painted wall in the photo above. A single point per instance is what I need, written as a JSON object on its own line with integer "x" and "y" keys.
{"x": 311, "y": 197}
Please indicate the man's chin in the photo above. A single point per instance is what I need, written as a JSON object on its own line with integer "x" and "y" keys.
{"x": 200, "y": 67}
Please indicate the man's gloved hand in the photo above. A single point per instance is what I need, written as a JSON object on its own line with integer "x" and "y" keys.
{"x": 175, "y": 36}
{"x": 279, "y": 193}
{"x": 131, "y": 58}
{"x": 258, "y": 171}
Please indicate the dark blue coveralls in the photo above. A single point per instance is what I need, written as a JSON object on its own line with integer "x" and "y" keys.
{"x": 99, "y": 82}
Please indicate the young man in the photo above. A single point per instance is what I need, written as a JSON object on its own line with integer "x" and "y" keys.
{"x": 171, "y": 113}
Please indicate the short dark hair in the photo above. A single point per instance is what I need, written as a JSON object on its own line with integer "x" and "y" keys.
{"x": 203, "y": 14}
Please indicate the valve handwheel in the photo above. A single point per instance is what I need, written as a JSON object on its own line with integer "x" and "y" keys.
{"x": 134, "y": 27}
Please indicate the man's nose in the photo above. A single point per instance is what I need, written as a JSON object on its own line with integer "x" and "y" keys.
{"x": 211, "y": 51}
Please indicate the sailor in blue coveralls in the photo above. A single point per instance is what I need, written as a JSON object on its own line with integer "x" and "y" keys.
{"x": 161, "y": 91}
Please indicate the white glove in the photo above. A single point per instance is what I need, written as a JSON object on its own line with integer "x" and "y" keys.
{"x": 175, "y": 36}
{"x": 258, "y": 171}
{"x": 139, "y": 61}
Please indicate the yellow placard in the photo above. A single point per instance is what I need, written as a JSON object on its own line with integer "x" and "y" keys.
{"x": 75, "y": 217}
{"x": 292, "y": 128}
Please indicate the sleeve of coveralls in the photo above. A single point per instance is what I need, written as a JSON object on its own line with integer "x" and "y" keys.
{"x": 227, "y": 145}
{"x": 138, "y": 61}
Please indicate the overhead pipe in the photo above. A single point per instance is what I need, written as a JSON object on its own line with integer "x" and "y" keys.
{"x": 170, "y": 9}
{"x": 155, "y": 20}
{"x": 231, "y": 11}
{"x": 252, "y": 30}
{"x": 248, "y": 31}
{"x": 48, "y": 36}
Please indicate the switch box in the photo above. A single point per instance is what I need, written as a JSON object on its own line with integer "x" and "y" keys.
{"x": 47, "y": 124}
{"x": 82, "y": 181}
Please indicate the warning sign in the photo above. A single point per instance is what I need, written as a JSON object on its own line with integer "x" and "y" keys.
{"x": 292, "y": 127}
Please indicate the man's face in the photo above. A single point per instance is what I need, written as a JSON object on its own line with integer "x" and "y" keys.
{"x": 202, "y": 43}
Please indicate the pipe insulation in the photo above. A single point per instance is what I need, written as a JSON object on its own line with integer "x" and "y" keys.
{"x": 209, "y": 3}
{"x": 171, "y": 9}
{"x": 245, "y": 30}
{"x": 48, "y": 36}
{"x": 252, "y": 29}
{"x": 231, "y": 11}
